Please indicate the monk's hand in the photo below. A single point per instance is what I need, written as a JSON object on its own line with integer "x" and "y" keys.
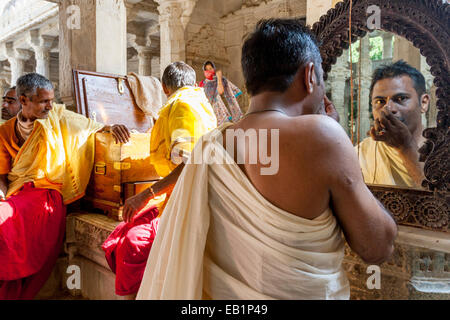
{"x": 392, "y": 131}
{"x": 330, "y": 109}
{"x": 135, "y": 204}
{"x": 120, "y": 133}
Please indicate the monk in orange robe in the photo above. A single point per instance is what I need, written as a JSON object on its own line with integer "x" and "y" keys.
{"x": 46, "y": 156}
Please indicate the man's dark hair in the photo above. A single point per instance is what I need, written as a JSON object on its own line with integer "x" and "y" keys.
{"x": 275, "y": 51}
{"x": 398, "y": 69}
{"x": 12, "y": 88}
{"x": 209, "y": 63}
{"x": 177, "y": 75}
{"x": 28, "y": 84}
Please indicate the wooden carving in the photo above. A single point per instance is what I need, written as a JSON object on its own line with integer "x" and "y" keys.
{"x": 425, "y": 23}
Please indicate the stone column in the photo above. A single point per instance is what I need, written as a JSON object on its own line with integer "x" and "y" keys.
{"x": 429, "y": 118}
{"x": 17, "y": 58}
{"x": 387, "y": 45}
{"x": 92, "y": 37}
{"x": 338, "y": 75}
{"x": 366, "y": 77}
{"x": 173, "y": 19}
{"x": 41, "y": 44}
{"x": 141, "y": 43}
{"x": 405, "y": 50}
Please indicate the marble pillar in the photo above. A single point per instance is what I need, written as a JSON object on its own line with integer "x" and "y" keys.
{"x": 366, "y": 78}
{"x": 405, "y": 50}
{"x": 338, "y": 75}
{"x": 94, "y": 40}
{"x": 387, "y": 45}
{"x": 17, "y": 58}
{"x": 173, "y": 18}
{"x": 41, "y": 45}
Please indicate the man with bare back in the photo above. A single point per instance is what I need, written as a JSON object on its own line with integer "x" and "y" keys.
{"x": 235, "y": 228}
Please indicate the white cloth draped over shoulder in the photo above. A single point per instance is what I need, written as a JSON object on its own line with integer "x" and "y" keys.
{"x": 219, "y": 238}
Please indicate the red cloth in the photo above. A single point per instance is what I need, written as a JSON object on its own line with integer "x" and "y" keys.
{"x": 32, "y": 226}
{"x": 127, "y": 249}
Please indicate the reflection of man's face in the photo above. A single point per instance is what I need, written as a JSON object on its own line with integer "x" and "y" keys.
{"x": 39, "y": 105}
{"x": 10, "y": 105}
{"x": 399, "y": 96}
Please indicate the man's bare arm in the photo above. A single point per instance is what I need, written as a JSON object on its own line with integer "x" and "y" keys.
{"x": 3, "y": 185}
{"x": 135, "y": 204}
{"x": 369, "y": 229}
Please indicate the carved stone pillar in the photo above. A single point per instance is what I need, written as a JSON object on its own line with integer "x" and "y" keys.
{"x": 141, "y": 43}
{"x": 387, "y": 45}
{"x": 41, "y": 44}
{"x": 338, "y": 76}
{"x": 91, "y": 37}
{"x": 17, "y": 58}
{"x": 405, "y": 50}
{"x": 173, "y": 19}
{"x": 145, "y": 61}
{"x": 366, "y": 77}
{"x": 429, "y": 118}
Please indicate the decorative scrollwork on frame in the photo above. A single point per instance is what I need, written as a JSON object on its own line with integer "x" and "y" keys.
{"x": 433, "y": 212}
{"x": 397, "y": 204}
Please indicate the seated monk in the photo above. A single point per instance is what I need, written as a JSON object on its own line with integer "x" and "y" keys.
{"x": 236, "y": 228}
{"x": 46, "y": 156}
{"x": 10, "y": 105}
{"x": 186, "y": 116}
{"x": 390, "y": 155}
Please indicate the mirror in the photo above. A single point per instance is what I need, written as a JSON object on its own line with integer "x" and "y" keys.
{"x": 381, "y": 163}
{"x": 425, "y": 24}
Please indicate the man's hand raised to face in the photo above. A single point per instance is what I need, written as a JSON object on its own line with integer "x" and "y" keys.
{"x": 392, "y": 131}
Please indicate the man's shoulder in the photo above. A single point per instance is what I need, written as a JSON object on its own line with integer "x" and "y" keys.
{"x": 315, "y": 127}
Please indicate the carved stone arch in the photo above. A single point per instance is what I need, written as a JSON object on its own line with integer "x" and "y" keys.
{"x": 426, "y": 24}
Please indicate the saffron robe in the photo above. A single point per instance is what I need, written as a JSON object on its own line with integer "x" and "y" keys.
{"x": 51, "y": 169}
{"x": 219, "y": 238}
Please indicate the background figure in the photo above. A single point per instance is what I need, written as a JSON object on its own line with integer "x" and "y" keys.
{"x": 10, "y": 105}
{"x": 216, "y": 86}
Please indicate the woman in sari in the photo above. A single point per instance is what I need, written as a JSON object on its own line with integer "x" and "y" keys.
{"x": 221, "y": 94}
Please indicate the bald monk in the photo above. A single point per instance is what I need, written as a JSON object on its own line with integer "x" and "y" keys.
{"x": 46, "y": 156}
{"x": 390, "y": 155}
{"x": 237, "y": 229}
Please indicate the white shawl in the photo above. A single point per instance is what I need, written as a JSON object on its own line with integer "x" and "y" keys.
{"x": 219, "y": 238}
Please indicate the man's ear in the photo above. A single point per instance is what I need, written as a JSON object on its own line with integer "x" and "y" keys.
{"x": 310, "y": 77}
{"x": 23, "y": 100}
{"x": 424, "y": 103}
{"x": 166, "y": 91}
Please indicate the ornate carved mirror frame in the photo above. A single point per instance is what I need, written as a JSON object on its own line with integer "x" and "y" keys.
{"x": 426, "y": 24}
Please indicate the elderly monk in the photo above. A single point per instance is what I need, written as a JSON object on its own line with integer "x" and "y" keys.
{"x": 46, "y": 156}
{"x": 390, "y": 155}
{"x": 237, "y": 229}
{"x": 186, "y": 116}
{"x": 10, "y": 105}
